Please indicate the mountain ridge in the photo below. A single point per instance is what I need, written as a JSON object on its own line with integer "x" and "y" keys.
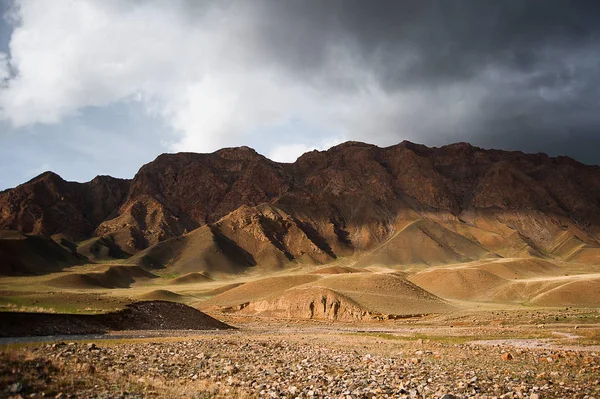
{"x": 347, "y": 200}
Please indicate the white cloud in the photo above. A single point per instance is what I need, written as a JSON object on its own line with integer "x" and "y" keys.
{"x": 201, "y": 69}
{"x": 290, "y": 152}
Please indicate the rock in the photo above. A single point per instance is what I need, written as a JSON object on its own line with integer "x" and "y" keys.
{"x": 88, "y": 368}
{"x": 293, "y": 366}
{"x": 231, "y": 369}
{"x": 16, "y": 387}
{"x": 507, "y": 356}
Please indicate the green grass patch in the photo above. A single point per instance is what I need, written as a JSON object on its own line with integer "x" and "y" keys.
{"x": 36, "y": 304}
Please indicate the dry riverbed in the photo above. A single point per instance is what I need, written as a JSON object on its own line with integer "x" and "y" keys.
{"x": 305, "y": 362}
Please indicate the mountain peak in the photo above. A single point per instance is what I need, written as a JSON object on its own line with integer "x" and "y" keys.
{"x": 47, "y": 176}
{"x": 238, "y": 153}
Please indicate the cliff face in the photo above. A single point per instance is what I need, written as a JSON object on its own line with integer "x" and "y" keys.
{"x": 346, "y": 200}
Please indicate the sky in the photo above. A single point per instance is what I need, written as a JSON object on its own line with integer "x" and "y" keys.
{"x": 100, "y": 87}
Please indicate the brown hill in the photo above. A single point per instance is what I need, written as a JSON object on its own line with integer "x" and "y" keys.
{"x": 144, "y": 315}
{"x": 113, "y": 277}
{"x": 405, "y": 204}
{"x": 161, "y": 295}
{"x": 308, "y": 303}
{"x": 425, "y": 242}
{"x": 191, "y": 278}
{"x": 339, "y": 270}
{"x": 28, "y": 255}
{"x": 522, "y": 281}
{"x": 343, "y": 297}
{"x": 204, "y": 249}
{"x": 99, "y": 249}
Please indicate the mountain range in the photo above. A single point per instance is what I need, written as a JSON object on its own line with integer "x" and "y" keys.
{"x": 235, "y": 210}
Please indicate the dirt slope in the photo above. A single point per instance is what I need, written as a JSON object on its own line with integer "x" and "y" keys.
{"x": 257, "y": 290}
{"x": 584, "y": 292}
{"x": 521, "y": 281}
{"x": 204, "y": 249}
{"x": 160, "y": 295}
{"x": 191, "y": 278}
{"x": 425, "y": 242}
{"x": 28, "y": 255}
{"x": 113, "y": 277}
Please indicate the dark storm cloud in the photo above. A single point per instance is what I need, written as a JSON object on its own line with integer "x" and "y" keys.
{"x": 291, "y": 76}
{"x": 447, "y": 39}
{"x": 536, "y": 61}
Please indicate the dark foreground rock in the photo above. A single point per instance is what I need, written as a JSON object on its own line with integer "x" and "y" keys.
{"x": 146, "y": 315}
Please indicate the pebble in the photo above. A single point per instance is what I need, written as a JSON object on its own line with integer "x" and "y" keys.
{"x": 270, "y": 367}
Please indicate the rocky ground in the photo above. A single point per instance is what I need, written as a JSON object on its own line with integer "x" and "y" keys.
{"x": 301, "y": 363}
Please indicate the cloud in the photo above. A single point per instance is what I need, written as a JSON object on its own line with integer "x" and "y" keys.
{"x": 290, "y": 152}
{"x": 221, "y": 73}
{"x": 4, "y": 67}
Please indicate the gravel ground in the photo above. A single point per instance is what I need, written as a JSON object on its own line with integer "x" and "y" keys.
{"x": 299, "y": 364}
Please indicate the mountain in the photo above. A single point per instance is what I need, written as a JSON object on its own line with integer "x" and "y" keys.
{"x": 234, "y": 209}
{"x": 48, "y": 205}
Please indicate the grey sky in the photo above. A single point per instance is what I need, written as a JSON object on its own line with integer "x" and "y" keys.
{"x": 102, "y": 86}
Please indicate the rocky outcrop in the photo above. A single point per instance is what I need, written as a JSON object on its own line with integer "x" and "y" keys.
{"x": 309, "y": 303}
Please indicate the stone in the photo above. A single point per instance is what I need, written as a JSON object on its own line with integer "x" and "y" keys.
{"x": 16, "y": 387}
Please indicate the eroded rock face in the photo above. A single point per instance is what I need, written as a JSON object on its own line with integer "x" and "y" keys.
{"x": 352, "y": 197}
{"x": 309, "y": 303}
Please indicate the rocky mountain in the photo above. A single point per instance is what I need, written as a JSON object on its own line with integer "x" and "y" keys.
{"x": 404, "y": 204}
{"x": 48, "y": 205}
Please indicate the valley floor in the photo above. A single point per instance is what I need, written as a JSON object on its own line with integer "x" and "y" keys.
{"x": 504, "y": 328}
{"x": 469, "y": 355}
